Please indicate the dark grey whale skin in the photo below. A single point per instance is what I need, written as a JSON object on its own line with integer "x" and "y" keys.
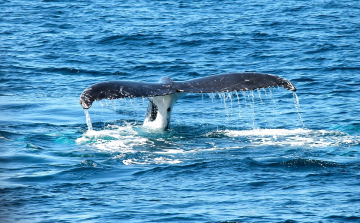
{"x": 210, "y": 84}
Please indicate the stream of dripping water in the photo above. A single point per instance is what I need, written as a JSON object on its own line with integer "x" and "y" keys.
{"x": 249, "y": 100}
{"x": 298, "y": 109}
{"x": 88, "y": 120}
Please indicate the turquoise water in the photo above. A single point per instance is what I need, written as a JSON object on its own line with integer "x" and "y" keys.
{"x": 257, "y": 156}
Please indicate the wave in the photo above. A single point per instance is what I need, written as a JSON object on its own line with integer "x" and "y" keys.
{"x": 150, "y": 39}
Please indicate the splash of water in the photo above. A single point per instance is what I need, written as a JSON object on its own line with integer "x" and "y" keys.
{"x": 88, "y": 120}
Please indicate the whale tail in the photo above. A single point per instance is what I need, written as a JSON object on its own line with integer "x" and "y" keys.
{"x": 163, "y": 95}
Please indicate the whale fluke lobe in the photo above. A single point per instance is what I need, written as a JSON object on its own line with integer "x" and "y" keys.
{"x": 163, "y": 95}
{"x": 122, "y": 89}
{"x": 235, "y": 82}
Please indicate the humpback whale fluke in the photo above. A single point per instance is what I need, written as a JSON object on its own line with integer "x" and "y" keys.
{"x": 163, "y": 95}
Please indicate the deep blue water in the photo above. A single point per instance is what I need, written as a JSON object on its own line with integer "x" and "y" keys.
{"x": 252, "y": 157}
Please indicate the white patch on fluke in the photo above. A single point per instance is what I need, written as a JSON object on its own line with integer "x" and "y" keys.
{"x": 164, "y": 105}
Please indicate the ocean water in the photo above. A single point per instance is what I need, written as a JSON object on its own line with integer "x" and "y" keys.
{"x": 267, "y": 155}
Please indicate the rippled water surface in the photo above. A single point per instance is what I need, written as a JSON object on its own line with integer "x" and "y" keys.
{"x": 267, "y": 155}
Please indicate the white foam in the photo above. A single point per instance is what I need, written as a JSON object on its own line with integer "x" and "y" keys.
{"x": 2, "y": 137}
{"x": 171, "y": 151}
{"x": 157, "y": 160}
{"x": 295, "y": 137}
{"x": 266, "y": 132}
{"x": 132, "y": 146}
{"x": 113, "y": 139}
{"x": 127, "y": 141}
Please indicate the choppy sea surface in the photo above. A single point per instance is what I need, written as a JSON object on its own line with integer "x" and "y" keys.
{"x": 267, "y": 155}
